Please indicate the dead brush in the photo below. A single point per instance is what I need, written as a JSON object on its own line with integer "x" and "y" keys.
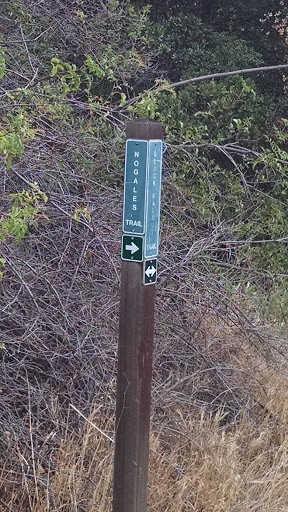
{"x": 218, "y": 436}
{"x": 198, "y": 461}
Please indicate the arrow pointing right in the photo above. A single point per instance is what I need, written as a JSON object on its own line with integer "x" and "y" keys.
{"x": 132, "y": 248}
{"x": 150, "y": 271}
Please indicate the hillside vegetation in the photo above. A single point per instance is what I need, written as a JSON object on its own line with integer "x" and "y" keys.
{"x": 72, "y": 73}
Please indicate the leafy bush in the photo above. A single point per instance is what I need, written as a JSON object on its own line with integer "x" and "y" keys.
{"x": 187, "y": 47}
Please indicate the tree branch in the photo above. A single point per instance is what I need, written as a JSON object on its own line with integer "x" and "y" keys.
{"x": 209, "y": 77}
{"x": 228, "y": 73}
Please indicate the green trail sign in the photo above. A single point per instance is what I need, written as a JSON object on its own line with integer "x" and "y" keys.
{"x": 135, "y": 186}
{"x": 132, "y": 248}
{"x": 153, "y": 195}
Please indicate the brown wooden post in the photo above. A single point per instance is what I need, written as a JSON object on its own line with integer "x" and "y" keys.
{"x": 134, "y": 370}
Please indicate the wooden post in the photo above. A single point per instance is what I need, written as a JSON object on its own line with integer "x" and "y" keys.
{"x": 134, "y": 370}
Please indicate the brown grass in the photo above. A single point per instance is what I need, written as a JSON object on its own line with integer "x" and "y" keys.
{"x": 199, "y": 461}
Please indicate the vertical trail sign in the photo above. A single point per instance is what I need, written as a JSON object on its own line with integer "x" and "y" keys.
{"x": 135, "y": 186}
{"x": 153, "y": 195}
{"x": 136, "y": 319}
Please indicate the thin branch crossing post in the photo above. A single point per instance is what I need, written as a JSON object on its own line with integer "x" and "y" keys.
{"x": 141, "y": 215}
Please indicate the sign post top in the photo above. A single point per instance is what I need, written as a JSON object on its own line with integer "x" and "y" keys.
{"x": 145, "y": 128}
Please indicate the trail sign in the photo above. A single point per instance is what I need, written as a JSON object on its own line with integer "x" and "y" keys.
{"x": 153, "y": 195}
{"x": 150, "y": 271}
{"x": 132, "y": 248}
{"x": 135, "y": 186}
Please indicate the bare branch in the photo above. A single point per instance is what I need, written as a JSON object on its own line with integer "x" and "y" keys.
{"x": 228, "y": 73}
{"x": 175, "y": 85}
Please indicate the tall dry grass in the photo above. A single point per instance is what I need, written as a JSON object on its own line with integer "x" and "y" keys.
{"x": 199, "y": 460}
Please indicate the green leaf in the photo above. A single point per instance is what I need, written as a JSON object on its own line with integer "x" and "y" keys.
{"x": 2, "y": 66}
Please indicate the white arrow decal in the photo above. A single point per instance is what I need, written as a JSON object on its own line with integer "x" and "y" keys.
{"x": 150, "y": 271}
{"x": 133, "y": 248}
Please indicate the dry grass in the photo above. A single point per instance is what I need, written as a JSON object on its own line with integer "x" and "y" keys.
{"x": 199, "y": 461}
{"x": 213, "y": 469}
